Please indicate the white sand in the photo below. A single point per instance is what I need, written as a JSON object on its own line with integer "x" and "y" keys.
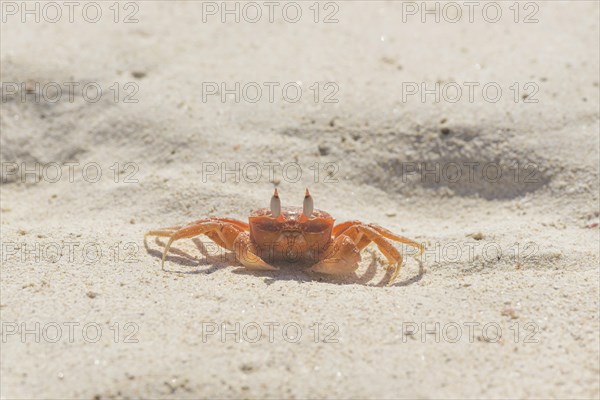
{"x": 544, "y": 283}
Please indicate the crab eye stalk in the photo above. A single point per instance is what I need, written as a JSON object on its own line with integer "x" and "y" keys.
{"x": 307, "y": 206}
{"x": 275, "y": 205}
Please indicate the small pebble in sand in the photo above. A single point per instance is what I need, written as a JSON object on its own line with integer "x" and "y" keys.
{"x": 476, "y": 235}
{"x": 324, "y": 149}
{"x": 246, "y": 368}
{"x": 445, "y": 131}
{"x": 91, "y": 295}
{"x": 509, "y": 312}
{"x": 138, "y": 74}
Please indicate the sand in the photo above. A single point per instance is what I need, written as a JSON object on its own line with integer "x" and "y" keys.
{"x": 503, "y": 303}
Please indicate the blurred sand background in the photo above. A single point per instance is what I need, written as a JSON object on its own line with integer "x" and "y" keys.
{"x": 532, "y": 272}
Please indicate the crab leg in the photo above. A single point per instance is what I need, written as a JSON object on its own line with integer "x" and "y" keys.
{"x": 390, "y": 235}
{"x": 167, "y": 232}
{"x": 340, "y": 228}
{"x": 240, "y": 224}
{"x": 363, "y": 234}
{"x": 359, "y": 232}
{"x": 246, "y": 253}
{"x": 226, "y": 232}
{"x": 341, "y": 257}
{"x": 343, "y": 227}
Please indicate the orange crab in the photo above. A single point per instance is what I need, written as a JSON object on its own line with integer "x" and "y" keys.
{"x": 294, "y": 234}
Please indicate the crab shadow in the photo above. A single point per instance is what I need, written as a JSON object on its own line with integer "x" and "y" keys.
{"x": 287, "y": 271}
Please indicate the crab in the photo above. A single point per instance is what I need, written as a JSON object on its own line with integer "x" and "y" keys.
{"x": 306, "y": 235}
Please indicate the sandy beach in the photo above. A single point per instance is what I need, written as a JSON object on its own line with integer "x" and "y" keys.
{"x": 472, "y": 129}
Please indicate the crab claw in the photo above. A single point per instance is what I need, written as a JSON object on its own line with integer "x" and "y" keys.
{"x": 307, "y": 206}
{"x": 275, "y": 205}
